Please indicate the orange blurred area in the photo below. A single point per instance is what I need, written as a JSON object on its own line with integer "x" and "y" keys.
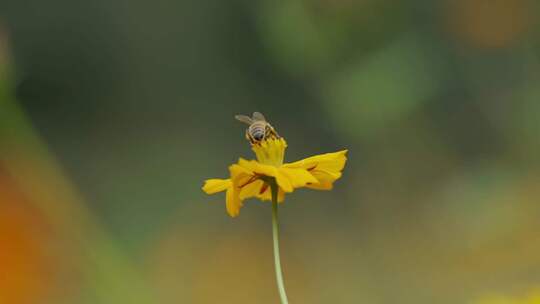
{"x": 28, "y": 267}
{"x": 490, "y": 23}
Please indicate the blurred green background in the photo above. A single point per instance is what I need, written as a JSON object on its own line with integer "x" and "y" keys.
{"x": 113, "y": 113}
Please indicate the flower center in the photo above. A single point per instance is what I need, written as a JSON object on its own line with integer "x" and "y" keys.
{"x": 270, "y": 151}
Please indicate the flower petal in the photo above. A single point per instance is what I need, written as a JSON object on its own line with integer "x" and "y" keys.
{"x": 266, "y": 170}
{"x": 326, "y": 168}
{"x": 216, "y": 185}
{"x": 257, "y": 168}
{"x": 333, "y": 162}
{"x": 325, "y": 185}
{"x": 251, "y": 190}
{"x": 284, "y": 182}
{"x": 266, "y": 195}
{"x": 240, "y": 169}
{"x": 287, "y": 178}
{"x": 233, "y": 202}
{"x": 298, "y": 177}
{"x": 240, "y": 175}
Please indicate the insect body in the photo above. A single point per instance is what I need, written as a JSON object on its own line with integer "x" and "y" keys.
{"x": 259, "y": 129}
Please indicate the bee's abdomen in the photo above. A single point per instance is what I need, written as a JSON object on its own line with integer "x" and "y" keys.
{"x": 258, "y": 131}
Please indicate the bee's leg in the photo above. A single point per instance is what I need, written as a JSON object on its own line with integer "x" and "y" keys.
{"x": 273, "y": 133}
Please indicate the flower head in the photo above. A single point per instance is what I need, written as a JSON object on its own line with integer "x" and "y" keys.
{"x": 253, "y": 178}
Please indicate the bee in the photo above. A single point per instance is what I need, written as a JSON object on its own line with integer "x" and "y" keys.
{"x": 259, "y": 129}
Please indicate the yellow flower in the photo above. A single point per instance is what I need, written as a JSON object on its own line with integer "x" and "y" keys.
{"x": 251, "y": 178}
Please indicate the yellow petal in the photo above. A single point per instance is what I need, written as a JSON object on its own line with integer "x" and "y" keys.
{"x": 282, "y": 180}
{"x": 325, "y": 176}
{"x": 232, "y": 202}
{"x": 240, "y": 175}
{"x": 216, "y": 185}
{"x": 333, "y": 162}
{"x": 267, "y": 195}
{"x": 298, "y": 177}
{"x": 287, "y": 178}
{"x": 240, "y": 168}
{"x": 321, "y": 186}
{"x": 326, "y": 168}
{"x": 251, "y": 190}
{"x": 257, "y": 168}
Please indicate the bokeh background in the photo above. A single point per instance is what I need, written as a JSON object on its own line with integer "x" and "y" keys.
{"x": 112, "y": 113}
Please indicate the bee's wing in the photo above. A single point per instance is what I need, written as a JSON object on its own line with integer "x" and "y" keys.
{"x": 258, "y": 116}
{"x": 245, "y": 119}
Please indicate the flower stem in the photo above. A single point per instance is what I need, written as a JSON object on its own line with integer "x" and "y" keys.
{"x": 275, "y": 234}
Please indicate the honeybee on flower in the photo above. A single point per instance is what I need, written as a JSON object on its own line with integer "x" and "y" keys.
{"x": 253, "y": 178}
{"x": 259, "y": 129}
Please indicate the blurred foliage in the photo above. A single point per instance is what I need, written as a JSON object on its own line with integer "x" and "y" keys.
{"x": 113, "y": 113}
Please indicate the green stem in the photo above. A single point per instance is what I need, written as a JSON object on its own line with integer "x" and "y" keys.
{"x": 275, "y": 234}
